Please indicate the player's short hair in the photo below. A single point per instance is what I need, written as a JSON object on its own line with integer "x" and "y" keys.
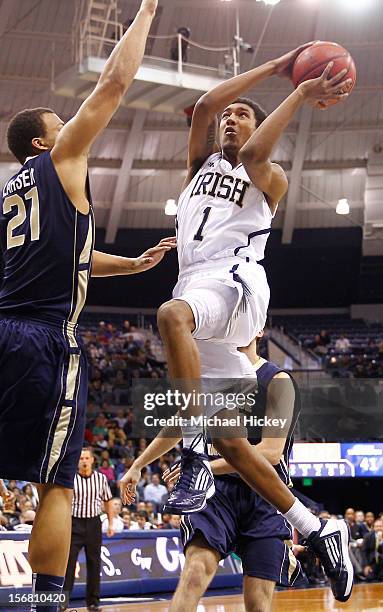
{"x": 23, "y": 127}
{"x": 259, "y": 112}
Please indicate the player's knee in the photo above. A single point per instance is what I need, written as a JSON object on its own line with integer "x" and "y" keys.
{"x": 174, "y": 316}
{"x": 196, "y": 573}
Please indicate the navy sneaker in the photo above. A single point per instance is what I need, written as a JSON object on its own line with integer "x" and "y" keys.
{"x": 195, "y": 484}
{"x": 330, "y": 544}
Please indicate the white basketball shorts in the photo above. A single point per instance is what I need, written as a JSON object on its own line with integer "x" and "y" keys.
{"x": 229, "y": 300}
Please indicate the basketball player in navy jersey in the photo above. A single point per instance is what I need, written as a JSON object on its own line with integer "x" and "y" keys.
{"x": 220, "y": 301}
{"x": 46, "y": 239}
{"x": 237, "y": 519}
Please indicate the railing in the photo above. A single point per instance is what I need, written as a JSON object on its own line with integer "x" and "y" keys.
{"x": 97, "y": 29}
{"x": 295, "y": 349}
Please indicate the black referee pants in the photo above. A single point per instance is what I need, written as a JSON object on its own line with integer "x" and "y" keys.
{"x": 86, "y": 532}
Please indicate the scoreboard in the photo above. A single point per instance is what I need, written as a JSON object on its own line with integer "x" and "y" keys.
{"x": 336, "y": 459}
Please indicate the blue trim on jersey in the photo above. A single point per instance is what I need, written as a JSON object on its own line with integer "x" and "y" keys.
{"x": 250, "y": 236}
{"x": 84, "y": 266}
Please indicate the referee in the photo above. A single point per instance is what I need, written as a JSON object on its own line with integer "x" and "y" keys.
{"x": 90, "y": 490}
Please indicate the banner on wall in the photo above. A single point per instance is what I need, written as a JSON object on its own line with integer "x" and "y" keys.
{"x": 126, "y": 559}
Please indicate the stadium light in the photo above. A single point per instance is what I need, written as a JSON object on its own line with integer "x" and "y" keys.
{"x": 170, "y": 208}
{"x": 343, "y": 207}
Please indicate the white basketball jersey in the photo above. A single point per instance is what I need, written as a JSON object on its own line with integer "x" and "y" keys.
{"x": 221, "y": 214}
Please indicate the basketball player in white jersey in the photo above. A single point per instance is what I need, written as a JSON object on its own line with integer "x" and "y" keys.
{"x": 220, "y": 301}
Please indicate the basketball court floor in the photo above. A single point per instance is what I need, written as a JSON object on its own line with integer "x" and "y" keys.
{"x": 365, "y": 598}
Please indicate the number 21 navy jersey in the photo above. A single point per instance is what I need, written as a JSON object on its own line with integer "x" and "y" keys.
{"x": 46, "y": 246}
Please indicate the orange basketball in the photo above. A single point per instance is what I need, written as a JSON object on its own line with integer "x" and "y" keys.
{"x": 312, "y": 61}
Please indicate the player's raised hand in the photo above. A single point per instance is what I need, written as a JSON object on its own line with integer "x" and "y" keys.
{"x": 171, "y": 475}
{"x": 149, "y": 5}
{"x": 317, "y": 91}
{"x": 283, "y": 66}
{"x": 154, "y": 255}
{"x": 128, "y": 485}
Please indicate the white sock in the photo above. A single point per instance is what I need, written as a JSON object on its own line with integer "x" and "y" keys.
{"x": 189, "y": 433}
{"x": 302, "y": 519}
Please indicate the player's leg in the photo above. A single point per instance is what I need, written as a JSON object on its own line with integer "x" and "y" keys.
{"x": 258, "y": 594}
{"x": 202, "y": 309}
{"x": 207, "y": 537}
{"x": 201, "y": 563}
{"x": 50, "y": 539}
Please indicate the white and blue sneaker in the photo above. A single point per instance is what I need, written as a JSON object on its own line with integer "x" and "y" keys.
{"x": 331, "y": 545}
{"x": 194, "y": 486}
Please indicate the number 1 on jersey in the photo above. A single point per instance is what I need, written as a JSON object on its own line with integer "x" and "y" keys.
{"x": 206, "y": 214}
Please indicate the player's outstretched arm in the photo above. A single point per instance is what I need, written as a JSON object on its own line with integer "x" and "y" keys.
{"x": 255, "y": 154}
{"x": 164, "y": 442}
{"x": 104, "y": 264}
{"x": 202, "y": 137}
{"x": 94, "y": 114}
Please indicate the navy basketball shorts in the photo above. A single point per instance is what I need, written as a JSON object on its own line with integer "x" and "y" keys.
{"x": 43, "y": 396}
{"x": 237, "y": 520}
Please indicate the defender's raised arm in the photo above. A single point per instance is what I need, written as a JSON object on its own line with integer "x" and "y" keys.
{"x": 95, "y": 113}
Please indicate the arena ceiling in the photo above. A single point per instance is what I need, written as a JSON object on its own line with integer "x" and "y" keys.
{"x": 139, "y": 162}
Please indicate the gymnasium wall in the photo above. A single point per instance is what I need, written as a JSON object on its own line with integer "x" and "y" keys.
{"x": 320, "y": 268}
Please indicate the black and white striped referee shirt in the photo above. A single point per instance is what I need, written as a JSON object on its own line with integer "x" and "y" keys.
{"x": 88, "y": 494}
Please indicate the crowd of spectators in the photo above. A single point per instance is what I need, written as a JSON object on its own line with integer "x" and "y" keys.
{"x": 345, "y": 360}
{"x": 116, "y": 356}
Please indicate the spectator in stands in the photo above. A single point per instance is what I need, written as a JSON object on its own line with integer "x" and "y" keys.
{"x": 142, "y": 521}
{"x": 174, "y": 49}
{"x": 317, "y": 346}
{"x": 370, "y": 520}
{"x": 10, "y": 511}
{"x": 120, "y": 386}
{"x": 325, "y": 338}
{"x": 108, "y": 470}
{"x": 100, "y": 428}
{"x": 373, "y": 552}
{"x": 24, "y": 504}
{"x": 142, "y": 444}
{"x": 342, "y": 344}
{"x": 31, "y": 493}
{"x": 324, "y": 514}
{"x": 129, "y": 449}
{"x": 118, "y": 523}
{"x": 116, "y": 436}
{"x": 356, "y": 543}
{"x": 26, "y": 522}
{"x": 360, "y": 522}
{"x": 165, "y": 521}
{"x": 121, "y": 418}
{"x": 99, "y": 441}
{"x": 126, "y": 518}
{"x": 175, "y": 522}
{"x": 155, "y": 491}
{"x": 126, "y": 327}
